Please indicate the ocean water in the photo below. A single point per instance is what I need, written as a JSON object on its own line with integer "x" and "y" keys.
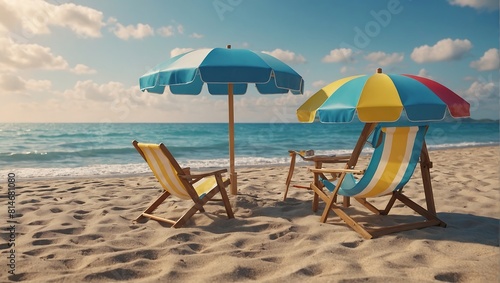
{"x": 98, "y": 149}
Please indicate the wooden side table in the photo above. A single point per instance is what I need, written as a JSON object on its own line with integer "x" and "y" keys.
{"x": 318, "y": 163}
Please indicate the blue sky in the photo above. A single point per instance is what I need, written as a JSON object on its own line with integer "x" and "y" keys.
{"x": 80, "y": 61}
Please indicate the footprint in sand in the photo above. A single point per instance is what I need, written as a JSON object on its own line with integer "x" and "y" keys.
{"x": 75, "y": 188}
{"x": 43, "y": 242}
{"x": 351, "y": 245}
{"x": 80, "y": 214}
{"x": 448, "y": 277}
{"x": 309, "y": 271}
{"x": 114, "y": 274}
{"x": 38, "y": 222}
{"x": 55, "y": 210}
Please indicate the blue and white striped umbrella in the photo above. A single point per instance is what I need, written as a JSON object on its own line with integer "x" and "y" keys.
{"x": 225, "y": 71}
{"x": 218, "y": 67}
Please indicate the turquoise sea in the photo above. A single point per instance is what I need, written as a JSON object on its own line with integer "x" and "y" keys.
{"x": 55, "y": 150}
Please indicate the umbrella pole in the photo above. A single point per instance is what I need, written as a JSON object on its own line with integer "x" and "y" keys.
{"x": 232, "y": 171}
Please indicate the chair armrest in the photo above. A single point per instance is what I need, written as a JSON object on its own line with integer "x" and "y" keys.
{"x": 202, "y": 175}
{"x": 336, "y": 170}
{"x": 330, "y": 158}
{"x": 309, "y": 156}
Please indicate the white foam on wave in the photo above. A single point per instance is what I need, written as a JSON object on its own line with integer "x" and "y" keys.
{"x": 92, "y": 170}
{"x": 462, "y": 144}
{"x": 111, "y": 170}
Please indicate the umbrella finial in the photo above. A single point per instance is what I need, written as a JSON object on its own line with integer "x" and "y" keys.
{"x": 229, "y": 46}
{"x": 379, "y": 70}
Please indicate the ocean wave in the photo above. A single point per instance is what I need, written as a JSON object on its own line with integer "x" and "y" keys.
{"x": 462, "y": 144}
{"x": 63, "y": 156}
{"x": 82, "y": 135}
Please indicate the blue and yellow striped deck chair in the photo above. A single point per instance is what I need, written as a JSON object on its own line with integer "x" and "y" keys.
{"x": 391, "y": 166}
{"x": 179, "y": 182}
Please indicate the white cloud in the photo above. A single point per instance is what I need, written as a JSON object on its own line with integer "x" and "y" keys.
{"x": 196, "y": 35}
{"x": 84, "y": 21}
{"x": 339, "y": 55}
{"x": 139, "y": 31}
{"x": 180, "y": 29}
{"x": 444, "y": 50}
{"x": 344, "y": 70}
{"x": 286, "y": 56}
{"x": 319, "y": 84}
{"x": 384, "y": 59}
{"x": 9, "y": 18}
{"x": 483, "y": 98}
{"x": 482, "y": 89}
{"x": 34, "y": 17}
{"x": 490, "y": 61}
{"x": 278, "y": 108}
{"x": 177, "y": 51}
{"x": 14, "y": 56}
{"x": 166, "y": 31}
{"x": 91, "y": 90}
{"x": 424, "y": 73}
{"x": 11, "y": 83}
{"x": 82, "y": 69}
{"x": 86, "y": 101}
{"x": 476, "y": 4}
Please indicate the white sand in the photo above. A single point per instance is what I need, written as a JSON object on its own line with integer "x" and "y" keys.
{"x": 81, "y": 230}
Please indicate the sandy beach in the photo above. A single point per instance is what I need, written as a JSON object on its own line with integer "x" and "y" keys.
{"x": 81, "y": 230}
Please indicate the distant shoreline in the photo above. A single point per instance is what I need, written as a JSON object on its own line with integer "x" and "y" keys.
{"x": 446, "y": 120}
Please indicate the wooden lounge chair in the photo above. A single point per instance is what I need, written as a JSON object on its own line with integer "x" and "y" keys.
{"x": 179, "y": 182}
{"x": 390, "y": 168}
{"x": 319, "y": 160}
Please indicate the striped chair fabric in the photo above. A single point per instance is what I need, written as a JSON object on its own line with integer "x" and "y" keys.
{"x": 168, "y": 177}
{"x": 391, "y": 166}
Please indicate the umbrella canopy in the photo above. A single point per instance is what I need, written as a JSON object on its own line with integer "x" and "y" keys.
{"x": 225, "y": 71}
{"x": 383, "y": 98}
{"x": 218, "y": 67}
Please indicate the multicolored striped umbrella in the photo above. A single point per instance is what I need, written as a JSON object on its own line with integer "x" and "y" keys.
{"x": 383, "y": 98}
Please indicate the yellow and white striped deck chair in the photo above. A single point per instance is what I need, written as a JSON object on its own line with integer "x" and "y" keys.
{"x": 179, "y": 182}
{"x": 391, "y": 166}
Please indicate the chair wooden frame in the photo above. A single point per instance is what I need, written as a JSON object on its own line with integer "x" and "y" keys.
{"x": 187, "y": 179}
{"x": 429, "y": 214}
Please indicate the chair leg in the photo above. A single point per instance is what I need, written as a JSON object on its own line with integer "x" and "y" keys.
{"x": 293, "y": 154}
{"x": 154, "y": 205}
{"x": 352, "y": 223}
{"x": 326, "y": 211}
{"x": 419, "y": 209}
{"x": 315, "y": 203}
{"x": 184, "y": 218}
{"x": 389, "y": 204}
{"x": 425, "y": 165}
{"x": 222, "y": 190}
